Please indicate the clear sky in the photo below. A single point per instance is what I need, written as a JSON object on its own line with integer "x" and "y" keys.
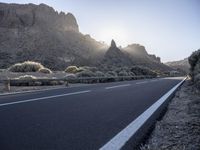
{"x": 167, "y": 28}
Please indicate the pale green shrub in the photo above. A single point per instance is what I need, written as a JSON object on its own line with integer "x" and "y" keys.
{"x": 27, "y": 66}
{"x": 72, "y": 69}
{"x": 45, "y": 70}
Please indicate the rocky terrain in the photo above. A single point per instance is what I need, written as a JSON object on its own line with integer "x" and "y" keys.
{"x": 179, "y": 129}
{"x": 180, "y": 126}
{"x": 39, "y": 33}
{"x": 181, "y": 65}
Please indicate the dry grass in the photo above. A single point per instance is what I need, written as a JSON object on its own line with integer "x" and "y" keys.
{"x": 27, "y": 66}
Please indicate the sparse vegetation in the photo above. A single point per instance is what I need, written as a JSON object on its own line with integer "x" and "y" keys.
{"x": 86, "y": 73}
{"x": 27, "y": 66}
{"x": 70, "y": 76}
{"x": 45, "y": 70}
{"x": 72, "y": 69}
{"x": 138, "y": 70}
{"x": 194, "y": 61}
{"x": 26, "y": 77}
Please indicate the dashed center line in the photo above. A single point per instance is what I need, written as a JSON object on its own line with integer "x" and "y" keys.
{"x": 141, "y": 82}
{"x": 117, "y": 86}
{"x": 153, "y": 80}
{"x": 42, "y": 98}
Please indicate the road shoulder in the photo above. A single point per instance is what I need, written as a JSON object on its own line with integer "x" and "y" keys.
{"x": 180, "y": 126}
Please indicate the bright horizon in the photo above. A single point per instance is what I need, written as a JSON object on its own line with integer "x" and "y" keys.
{"x": 169, "y": 29}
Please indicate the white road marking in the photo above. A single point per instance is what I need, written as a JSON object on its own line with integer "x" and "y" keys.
{"x": 42, "y": 98}
{"x": 153, "y": 80}
{"x": 122, "y": 137}
{"x": 117, "y": 86}
{"x": 141, "y": 82}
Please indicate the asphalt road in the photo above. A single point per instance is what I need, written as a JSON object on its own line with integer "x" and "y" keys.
{"x": 75, "y": 118}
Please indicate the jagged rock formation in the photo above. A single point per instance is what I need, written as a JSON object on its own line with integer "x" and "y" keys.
{"x": 139, "y": 56}
{"x": 134, "y": 54}
{"x": 30, "y": 15}
{"x": 181, "y": 65}
{"x": 39, "y": 33}
{"x": 114, "y": 56}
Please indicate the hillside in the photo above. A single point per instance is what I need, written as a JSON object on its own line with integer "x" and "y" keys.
{"x": 181, "y": 65}
{"x": 39, "y": 33}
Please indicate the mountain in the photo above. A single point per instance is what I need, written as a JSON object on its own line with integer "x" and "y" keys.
{"x": 181, "y": 65}
{"x": 115, "y": 56}
{"x": 39, "y": 33}
{"x": 133, "y": 54}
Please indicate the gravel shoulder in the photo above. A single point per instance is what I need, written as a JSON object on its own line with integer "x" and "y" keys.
{"x": 179, "y": 128}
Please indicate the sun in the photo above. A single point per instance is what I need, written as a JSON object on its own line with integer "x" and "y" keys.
{"x": 116, "y": 33}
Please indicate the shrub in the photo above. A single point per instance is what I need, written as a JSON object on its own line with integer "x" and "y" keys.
{"x": 45, "y": 70}
{"x": 26, "y": 77}
{"x": 70, "y": 76}
{"x": 138, "y": 70}
{"x": 99, "y": 74}
{"x": 93, "y": 69}
{"x": 27, "y": 66}
{"x": 85, "y": 73}
{"x": 112, "y": 73}
{"x": 193, "y": 59}
{"x": 123, "y": 73}
{"x": 72, "y": 69}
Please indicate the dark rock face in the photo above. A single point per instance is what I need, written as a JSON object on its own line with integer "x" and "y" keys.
{"x": 115, "y": 56}
{"x": 20, "y": 16}
{"x": 39, "y": 33}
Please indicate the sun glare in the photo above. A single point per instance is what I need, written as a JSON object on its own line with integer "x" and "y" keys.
{"x": 118, "y": 34}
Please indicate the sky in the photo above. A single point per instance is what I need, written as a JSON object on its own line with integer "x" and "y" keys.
{"x": 168, "y": 28}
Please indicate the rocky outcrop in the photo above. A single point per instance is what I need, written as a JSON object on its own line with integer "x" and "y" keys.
{"x": 30, "y": 15}
{"x": 115, "y": 56}
{"x": 39, "y": 33}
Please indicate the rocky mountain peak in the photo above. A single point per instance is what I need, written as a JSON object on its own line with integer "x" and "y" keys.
{"x": 113, "y": 44}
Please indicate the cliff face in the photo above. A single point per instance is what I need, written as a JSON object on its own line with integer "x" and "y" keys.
{"x": 39, "y": 33}
{"x": 30, "y": 15}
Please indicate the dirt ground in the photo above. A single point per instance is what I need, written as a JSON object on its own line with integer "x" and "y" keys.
{"x": 179, "y": 129}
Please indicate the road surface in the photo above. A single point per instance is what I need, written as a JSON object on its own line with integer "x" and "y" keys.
{"x": 75, "y": 118}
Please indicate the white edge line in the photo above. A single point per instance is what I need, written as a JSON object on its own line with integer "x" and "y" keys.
{"x": 118, "y": 141}
{"x": 42, "y": 98}
{"x": 117, "y": 86}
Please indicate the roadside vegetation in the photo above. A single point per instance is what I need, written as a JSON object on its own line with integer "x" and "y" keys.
{"x": 194, "y": 61}
{"x": 29, "y": 66}
{"x": 179, "y": 128}
{"x": 30, "y": 73}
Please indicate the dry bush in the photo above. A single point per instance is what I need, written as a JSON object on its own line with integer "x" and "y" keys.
{"x": 70, "y": 76}
{"x": 45, "y": 70}
{"x": 85, "y": 73}
{"x": 99, "y": 74}
{"x": 26, "y": 77}
{"x": 27, "y": 66}
{"x": 72, "y": 69}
